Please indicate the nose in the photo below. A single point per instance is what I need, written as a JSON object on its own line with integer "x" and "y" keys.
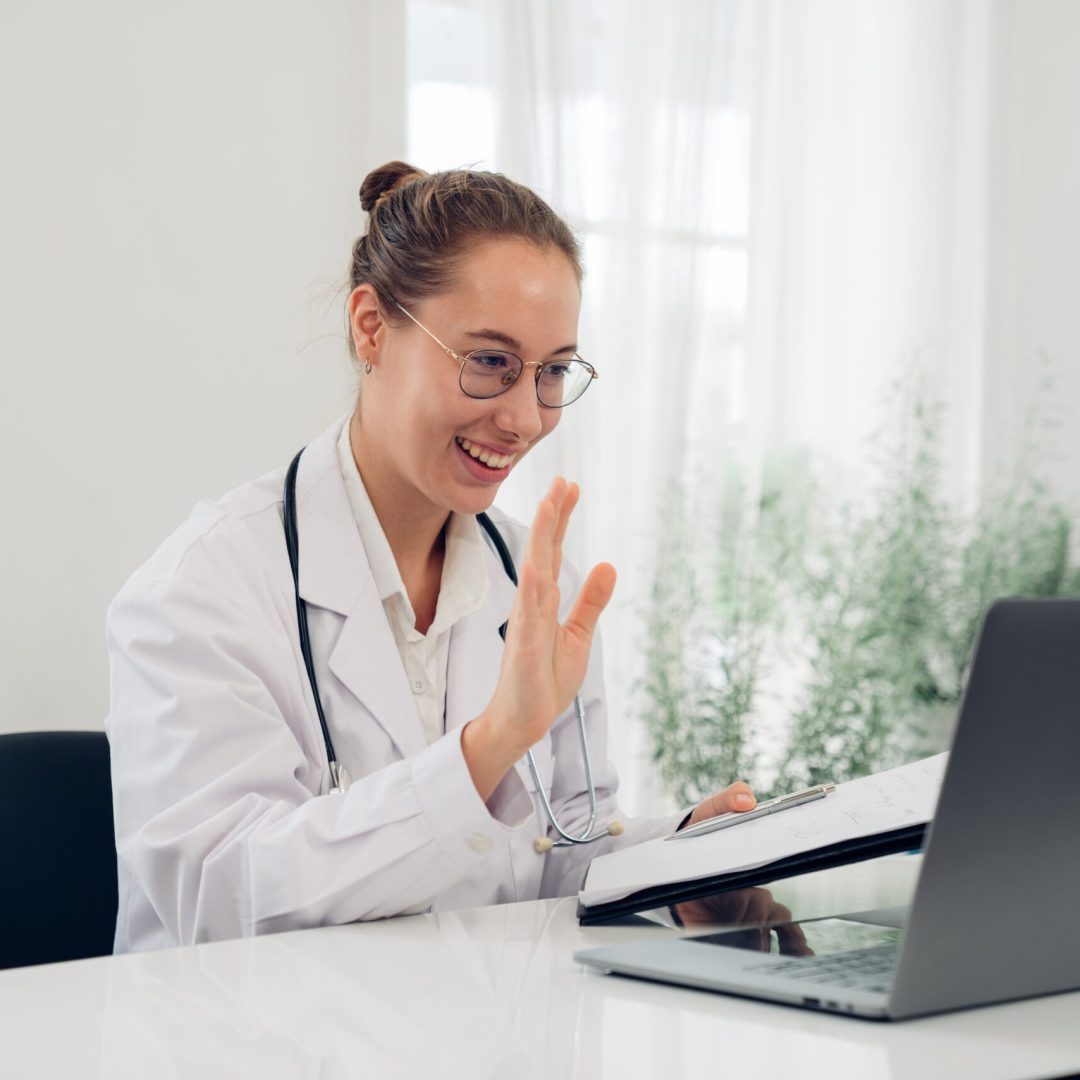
{"x": 518, "y": 411}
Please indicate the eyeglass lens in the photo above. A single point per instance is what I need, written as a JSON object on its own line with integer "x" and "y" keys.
{"x": 488, "y": 374}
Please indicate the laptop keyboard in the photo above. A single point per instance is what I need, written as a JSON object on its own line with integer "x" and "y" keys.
{"x": 861, "y": 969}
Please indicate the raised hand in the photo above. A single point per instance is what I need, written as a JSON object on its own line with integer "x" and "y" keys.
{"x": 544, "y": 663}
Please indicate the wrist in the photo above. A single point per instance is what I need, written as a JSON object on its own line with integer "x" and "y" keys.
{"x": 489, "y": 754}
{"x": 500, "y": 742}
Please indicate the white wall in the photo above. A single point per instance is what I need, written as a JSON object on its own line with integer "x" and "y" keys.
{"x": 179, "y": 198}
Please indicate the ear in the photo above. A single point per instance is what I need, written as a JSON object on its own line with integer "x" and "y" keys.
{"x": 366, "y": 322}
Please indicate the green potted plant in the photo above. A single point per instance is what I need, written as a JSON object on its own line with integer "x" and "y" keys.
{"x": 870, "y": 608}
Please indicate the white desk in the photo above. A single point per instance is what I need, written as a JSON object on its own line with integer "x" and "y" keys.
{"x": 491, "y": 992}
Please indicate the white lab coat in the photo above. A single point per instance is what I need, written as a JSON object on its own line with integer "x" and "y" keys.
{"x": 224, "y": 827}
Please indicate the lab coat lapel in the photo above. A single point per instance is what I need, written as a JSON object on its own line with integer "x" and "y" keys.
{"x": 335, "y": 574}
{"x": 476, "y": 649}
{"x": 367, "y": 661}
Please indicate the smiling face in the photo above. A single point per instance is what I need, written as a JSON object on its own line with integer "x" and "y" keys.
{"x": 509, "y": 294}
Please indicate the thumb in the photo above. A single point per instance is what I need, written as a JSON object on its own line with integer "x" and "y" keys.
{"x": 736, "y": 797}
{"x": 591, "y": 600}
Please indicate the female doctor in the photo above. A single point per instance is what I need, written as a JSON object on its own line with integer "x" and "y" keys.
{"x": 226, "y": 824}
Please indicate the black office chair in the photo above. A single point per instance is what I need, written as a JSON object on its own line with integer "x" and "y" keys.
{"x": 57, "y": 850}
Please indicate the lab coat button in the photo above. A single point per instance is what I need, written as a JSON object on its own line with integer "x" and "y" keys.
{"x": 418, "y": 686}
{"x": 480, "y": 843}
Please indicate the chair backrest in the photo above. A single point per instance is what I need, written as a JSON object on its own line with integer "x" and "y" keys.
{"x": 57, "y": 849}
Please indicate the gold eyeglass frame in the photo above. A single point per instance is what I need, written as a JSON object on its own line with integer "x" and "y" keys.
{"x": 463, "y": 360}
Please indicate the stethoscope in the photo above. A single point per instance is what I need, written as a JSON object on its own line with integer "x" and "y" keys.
{"x": 339, "y": 776}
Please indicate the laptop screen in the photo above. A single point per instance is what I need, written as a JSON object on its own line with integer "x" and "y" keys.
{"x": 812, "y": 937}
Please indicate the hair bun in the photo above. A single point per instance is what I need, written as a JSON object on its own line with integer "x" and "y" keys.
{"x": 386, "y": 178}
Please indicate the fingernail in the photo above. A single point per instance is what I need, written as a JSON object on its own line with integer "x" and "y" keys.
{"x": 744, "y": 802}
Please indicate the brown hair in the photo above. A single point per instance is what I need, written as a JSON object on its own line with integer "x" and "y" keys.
{"x": 420, "y": 224}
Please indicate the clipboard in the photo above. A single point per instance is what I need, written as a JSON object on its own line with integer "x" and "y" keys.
{"x": 911, "y": 838}
{"x": 876, "y": 815}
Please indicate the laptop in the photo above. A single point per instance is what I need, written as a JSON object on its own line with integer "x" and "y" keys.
{"x": 993, "y": 917}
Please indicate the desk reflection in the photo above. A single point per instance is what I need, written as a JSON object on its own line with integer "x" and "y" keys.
{"x": 752, "y": 916}
{"x": 455, "y": 993}
{"x": 483, "y": 993}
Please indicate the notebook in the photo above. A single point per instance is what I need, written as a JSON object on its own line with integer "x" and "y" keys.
{"x": 861, "y": 819}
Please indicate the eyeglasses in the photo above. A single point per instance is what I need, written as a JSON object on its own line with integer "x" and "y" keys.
{"x": 486, "y": 373}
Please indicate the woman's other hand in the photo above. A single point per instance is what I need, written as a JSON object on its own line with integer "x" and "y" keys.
{"x": 735, "y": 798}
{"x": 751, "y": 916}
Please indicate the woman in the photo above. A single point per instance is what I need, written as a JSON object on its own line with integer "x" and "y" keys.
{"x": 226, "y": 824}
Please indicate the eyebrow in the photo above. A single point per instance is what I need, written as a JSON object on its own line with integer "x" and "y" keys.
{"x": 508, "y": 341}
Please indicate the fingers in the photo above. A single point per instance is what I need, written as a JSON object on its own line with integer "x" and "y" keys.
{"x": 573, "y": 492}
{"x": 544, "y": 547}
{"x": 539, "y": 546}
{"x": 759, "y": 906}
{"x": 590, "y": 602}
{"x": 532, "y": 621}
{"x": 735, "y": 798}
{"x": 738, "y": 796}
{"x": 523, "y": 617}
{"x": 791, "y": 939}
{"x": 540, "y": 549}
{"x": 544, "y": 555}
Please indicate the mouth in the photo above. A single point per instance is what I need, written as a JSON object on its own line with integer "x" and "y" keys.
{"x": 482, "y": 463}
{"x": 482, "y": 454}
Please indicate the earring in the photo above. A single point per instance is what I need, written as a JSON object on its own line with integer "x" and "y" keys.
{"x": 367, "y": 367}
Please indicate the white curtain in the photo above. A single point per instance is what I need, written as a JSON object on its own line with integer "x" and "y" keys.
{"x": 784, "y": 203}
{"x": 635, "y": 124}
{"x": 870, "y": 215}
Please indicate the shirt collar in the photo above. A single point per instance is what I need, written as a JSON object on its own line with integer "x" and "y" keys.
{"x": 464, "y": 579}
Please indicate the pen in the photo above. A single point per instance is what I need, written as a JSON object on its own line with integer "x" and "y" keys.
{"x": 772, "y": 806}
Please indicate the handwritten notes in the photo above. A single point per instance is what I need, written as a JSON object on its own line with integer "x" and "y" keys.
{"x": 874, "y": 804}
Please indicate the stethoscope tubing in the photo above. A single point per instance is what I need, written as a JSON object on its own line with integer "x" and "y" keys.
{"x": 339, "y": 778}
{"x": 566, "y": 839}
{"x": 292, "y": 544}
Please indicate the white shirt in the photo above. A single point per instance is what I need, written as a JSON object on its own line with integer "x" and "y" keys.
{"x": 463, "y": 591}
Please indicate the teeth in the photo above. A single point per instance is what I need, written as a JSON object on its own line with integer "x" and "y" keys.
{"x": 492, "y": 461}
